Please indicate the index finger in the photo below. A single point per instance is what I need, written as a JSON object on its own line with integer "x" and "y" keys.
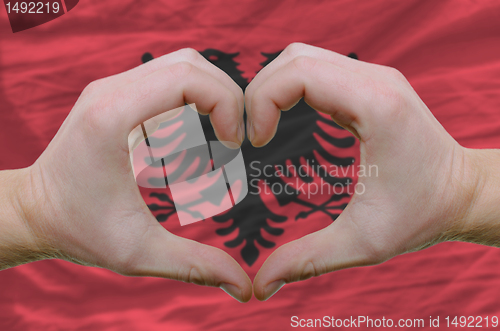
{"x": 326, "y": 87}
{"x": 183, "y": 55}
{"x": 117, "y": 114}
{"x": 299, "y": 49}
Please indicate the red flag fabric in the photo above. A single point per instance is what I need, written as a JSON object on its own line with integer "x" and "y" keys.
{"x": 449, "y": 52}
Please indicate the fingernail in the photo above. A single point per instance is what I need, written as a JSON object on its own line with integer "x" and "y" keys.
{"x": 273, "y": 287}
{"x": 241, "y": 132}
{"x": 250, "y": 130}
{"x": 232, "y": 290}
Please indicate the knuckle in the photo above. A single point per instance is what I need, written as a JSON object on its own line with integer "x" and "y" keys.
{"x": 92, "y": 88}
{"x": 98, "y": 111}
{"x": 389, "y": 98}
{"x": 310, "y": 270}
{"x": 195, "y": 277}
{"x": 189, "y": 54}
{"x": 397, "y": 75}
{"x": 295, "y": 49}
{"x": 190, "y": 275}
{"x": 304, "y": 63}
{"x": 394, "y": 74}
{"x": 181, "y": 69}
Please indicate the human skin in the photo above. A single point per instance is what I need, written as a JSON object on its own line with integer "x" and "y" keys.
{"x": 429, "y": 189}
{"x": 79, "y": 201}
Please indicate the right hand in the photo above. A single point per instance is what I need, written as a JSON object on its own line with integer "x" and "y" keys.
{"x": 424, "y": 186}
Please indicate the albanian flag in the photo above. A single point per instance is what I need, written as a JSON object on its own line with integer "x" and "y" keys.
{"x": 448, "y": 50}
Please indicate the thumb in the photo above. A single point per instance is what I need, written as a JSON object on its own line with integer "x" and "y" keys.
{"x": 166, "y": 255}
{"x": 332, "y": 248}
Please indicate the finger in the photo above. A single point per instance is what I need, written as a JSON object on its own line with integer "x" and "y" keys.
{"x": 183, "y": 55}
{"x": 326, "y": 87}
{"x": 332, "y": 248}
{"x": 163, "y": 254}
{"x": 299, "y": 49}
{"x": 171, "y": 88}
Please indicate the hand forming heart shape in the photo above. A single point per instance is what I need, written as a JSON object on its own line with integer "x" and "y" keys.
{"x": 81, "y": 202}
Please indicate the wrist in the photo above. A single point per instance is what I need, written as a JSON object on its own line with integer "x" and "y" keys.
{"x": 480, "y": 220}
{"x": 19, "y": 242}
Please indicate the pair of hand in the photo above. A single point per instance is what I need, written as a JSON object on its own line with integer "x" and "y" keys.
{"x": 81, "y": 202}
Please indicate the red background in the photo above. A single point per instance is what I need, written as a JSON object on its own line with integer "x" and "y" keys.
{"x": 448, "y": 50}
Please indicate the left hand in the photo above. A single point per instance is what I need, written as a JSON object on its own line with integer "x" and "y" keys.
{"x": 80, "y": 199}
